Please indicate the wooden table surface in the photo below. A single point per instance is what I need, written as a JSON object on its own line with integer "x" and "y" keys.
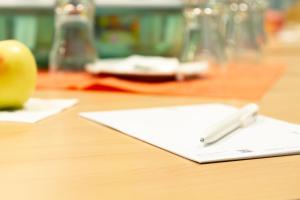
{"x": 65, "y": 157}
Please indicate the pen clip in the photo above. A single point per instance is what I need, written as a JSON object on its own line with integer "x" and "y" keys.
{"x": 247, "y": 119}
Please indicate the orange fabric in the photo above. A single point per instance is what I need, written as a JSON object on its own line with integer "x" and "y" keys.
{"x": 234, "y": 82}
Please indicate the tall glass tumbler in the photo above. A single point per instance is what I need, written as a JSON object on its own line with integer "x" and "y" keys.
{"x": 73, "y": 45}
{"x": 258, "y": 8}
{"x": 241, "y": 34}
{"x": 204, "y": 35}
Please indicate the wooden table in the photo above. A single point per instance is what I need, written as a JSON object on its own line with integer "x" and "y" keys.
{"x": 66, "y": 157}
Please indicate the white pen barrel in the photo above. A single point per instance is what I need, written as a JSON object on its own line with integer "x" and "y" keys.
{"x": 229, "y": 124}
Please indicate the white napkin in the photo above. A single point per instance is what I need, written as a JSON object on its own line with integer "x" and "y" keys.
{"x": 37, "y": 109}
{"x": 146, "y": 65}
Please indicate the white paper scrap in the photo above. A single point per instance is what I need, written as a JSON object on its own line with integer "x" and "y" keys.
{"x": 37, "y": 109}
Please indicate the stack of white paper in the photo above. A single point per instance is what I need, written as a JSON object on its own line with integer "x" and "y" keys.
{"x": 178, "y": 130}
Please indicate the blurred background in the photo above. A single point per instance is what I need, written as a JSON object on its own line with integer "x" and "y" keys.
{"x": 122, "y": 27}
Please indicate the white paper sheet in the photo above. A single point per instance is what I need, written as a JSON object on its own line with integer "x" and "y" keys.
{"x": 178, "y": 130}
{"x": 37, "y": 109}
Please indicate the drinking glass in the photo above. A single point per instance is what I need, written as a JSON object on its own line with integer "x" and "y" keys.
{"x": 73, "y": 45}
{"x": 204, "y": 32}
{"x": 258, "y": 8}
{"x": 242, "y": 31}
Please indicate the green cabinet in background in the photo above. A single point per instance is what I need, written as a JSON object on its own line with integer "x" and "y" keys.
{"x": 119, "y": 32}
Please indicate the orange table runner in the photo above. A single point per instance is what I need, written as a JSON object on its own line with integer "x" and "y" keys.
{"x": 233, "y": 82}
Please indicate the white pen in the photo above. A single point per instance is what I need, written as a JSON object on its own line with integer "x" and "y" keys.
{"x": 241, "y": 118}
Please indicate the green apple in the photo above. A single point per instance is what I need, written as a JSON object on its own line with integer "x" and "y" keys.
{"x": 18, "y": 73}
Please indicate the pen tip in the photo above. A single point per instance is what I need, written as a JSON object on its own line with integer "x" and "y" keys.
{"x": 201, "y": 139}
